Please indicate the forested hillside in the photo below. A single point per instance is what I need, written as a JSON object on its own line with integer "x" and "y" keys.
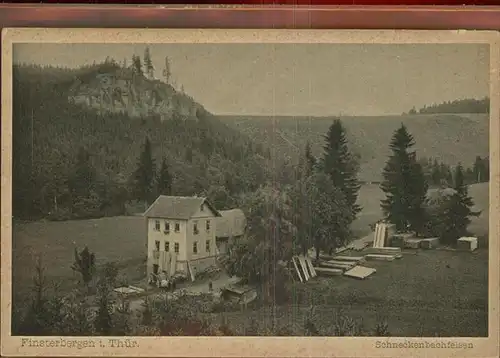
{"x": 460, "y": 106}
{"x": 50, "y": 130}
{"x": 450, "y": 138}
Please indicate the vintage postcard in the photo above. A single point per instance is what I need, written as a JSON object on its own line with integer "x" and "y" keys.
{"x": 250, "y": 193}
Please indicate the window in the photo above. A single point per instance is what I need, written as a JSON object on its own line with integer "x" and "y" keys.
{"x": 177, "y": 227}
{"x": 167, "y": 228}
{"x": 176, "y": 247}
{"x": 167, "y": 246}
{"x": 195, "y": 247}
{"x": 157, "y": 245}
{"x": 157, "y": 225}
{"x": 207, "y": 246}
{"x": 195, "y": 227}
{"x": 208, "y": 225}
{"x": 202, "y": 207}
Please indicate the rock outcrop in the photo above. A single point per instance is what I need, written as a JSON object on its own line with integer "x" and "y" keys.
{"x": 121, "y": 90}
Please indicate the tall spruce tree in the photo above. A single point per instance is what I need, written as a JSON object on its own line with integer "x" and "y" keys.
{"x": 148, "y": 64}
{"x": 137, "y": 65}
{"x": 457, "y": 211}
{"x": 164, "y": 181}
{"x": 404, "y": 184}
{"x": 167, "y": 73}
{"x": 340, "y": 165}
{"x": 83, "y": 181}
{"x": 84, "y": 264}
{"x": 144, "y": 175}
{"x": 310, "y": 159}
{"x": 481, "y": 170}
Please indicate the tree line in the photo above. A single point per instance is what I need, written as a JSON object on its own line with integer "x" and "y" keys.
{"x": 440, "y": 174}
{"x": 469, "y": 105}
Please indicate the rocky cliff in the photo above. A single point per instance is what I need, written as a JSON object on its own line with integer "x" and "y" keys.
{"x": 116, "y": 89}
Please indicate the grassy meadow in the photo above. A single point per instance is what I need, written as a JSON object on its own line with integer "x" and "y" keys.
{"x": 113, "y": 239}
{"x": 426, "y": 293}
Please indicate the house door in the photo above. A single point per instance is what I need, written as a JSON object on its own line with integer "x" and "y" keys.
{"x": 155, "y": 269}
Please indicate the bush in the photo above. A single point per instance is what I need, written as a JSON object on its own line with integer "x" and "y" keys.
{"x": 345, "y": 326}
{"x": 62, "y": 214}
{"x": 110, "y": 273}
{"x": 382, "y": 329}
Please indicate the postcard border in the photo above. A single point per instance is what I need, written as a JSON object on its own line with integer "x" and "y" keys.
{"x": 267, "y": 346}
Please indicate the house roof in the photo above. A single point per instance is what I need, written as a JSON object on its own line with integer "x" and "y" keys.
{"x": 231, "y": 223}
{"x": 177, "y": 207}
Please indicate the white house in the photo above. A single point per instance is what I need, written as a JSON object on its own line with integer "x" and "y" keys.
{"x": 182, "y": 230}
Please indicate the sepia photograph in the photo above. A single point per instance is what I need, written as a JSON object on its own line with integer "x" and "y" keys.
{"x": 182, "y": 186}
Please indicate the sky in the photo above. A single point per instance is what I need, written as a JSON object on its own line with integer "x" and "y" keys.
{"x": 299, "y": 79}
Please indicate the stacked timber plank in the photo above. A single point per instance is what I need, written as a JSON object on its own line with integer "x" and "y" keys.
{"x": 377, "y": 257}
{"x": 429, "y": 243}
{"x": 380, "y": 235}
{"x": 467, "y": 243}
{"x": 349, "y": 258}
{"x": 413, "y": 243}
{"x": 399, "y": 240}
{"x": 303, "y": 268}
{"x": 341, "y": 265}
{"x": 360, "y": 272}
{"x": 344, "y": 265}
{"x": 383, "y": 253}
{"x": 356, "y": 271}
{"x": 336, "y": 265}
{"x": 326, "y": 271}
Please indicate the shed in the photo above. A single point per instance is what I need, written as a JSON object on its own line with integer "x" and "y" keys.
{"x": 242, "y": 294}
{"x": 230, "y": 225}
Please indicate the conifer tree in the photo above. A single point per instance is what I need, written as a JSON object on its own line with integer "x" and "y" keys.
{"x": 137, "y": 65}
{"x": 404, "y": 184}
{"x": 148, "y": 64}
{"x": 310, "y": 159}
{"x": 103, "y": 322}
{"x": 83, "y": 180}
{"x": 37, "y": 313}
{"x": 480, "y": 169}
{"x": 457, "y": 211}
{"x": 144, "y": 175}
{"x": 84, "y": 264}
{"x": 339, "y": 164}
{"x": 43, "y": 316}
{"x": 167, "y": 73}
{"x": 436, "y": 175}
{"x": 164, "y": 180}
